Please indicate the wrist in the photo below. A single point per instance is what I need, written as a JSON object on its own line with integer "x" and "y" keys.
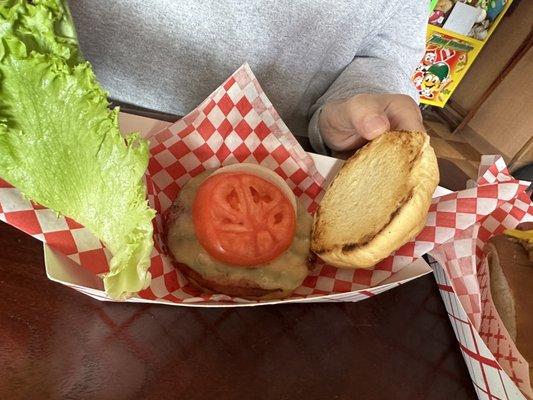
{"x": 315, "y": 136}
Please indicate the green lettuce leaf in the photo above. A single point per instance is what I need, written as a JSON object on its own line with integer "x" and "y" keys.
{"x": 61, "y": 145}
{"x": 45, "y": 26}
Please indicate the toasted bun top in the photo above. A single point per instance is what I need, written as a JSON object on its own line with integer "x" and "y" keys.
{"x": 377, "y": 202}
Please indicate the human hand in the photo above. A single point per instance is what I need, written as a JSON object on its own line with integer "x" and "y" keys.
{"x": 348, "y": 124}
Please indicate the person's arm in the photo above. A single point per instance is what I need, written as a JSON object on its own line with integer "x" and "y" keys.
{"x": 375, "y": 91}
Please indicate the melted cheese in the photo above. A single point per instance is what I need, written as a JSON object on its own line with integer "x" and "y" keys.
{"x": 285, "y": 272}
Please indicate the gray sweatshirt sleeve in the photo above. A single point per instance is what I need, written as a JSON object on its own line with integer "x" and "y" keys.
{"x": 384, "y": 63}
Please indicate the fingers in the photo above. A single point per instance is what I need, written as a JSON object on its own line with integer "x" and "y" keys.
{"x": 403, "y": 114}
{"x": 345, "y": 144}
{"x": 336, "y": 128}
{"x": 347, "y": 125}
{"x": 373, "y": 125}
{"x": 366, "y": 115}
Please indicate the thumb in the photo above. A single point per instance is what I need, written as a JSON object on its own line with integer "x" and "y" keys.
{"x": 367, "y": 116}
{"x": 372, "y": 125}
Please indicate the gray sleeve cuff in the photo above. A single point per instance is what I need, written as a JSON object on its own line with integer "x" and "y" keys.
{"x": 314, "y": 134}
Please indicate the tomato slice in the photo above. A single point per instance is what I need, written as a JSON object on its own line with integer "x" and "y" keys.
{"x": 242, "y": 219}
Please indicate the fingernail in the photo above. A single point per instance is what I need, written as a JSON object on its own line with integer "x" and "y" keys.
{"x": 374, "y": 125}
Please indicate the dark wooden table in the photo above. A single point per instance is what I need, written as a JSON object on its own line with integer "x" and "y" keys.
{"x": 56, "y": 343}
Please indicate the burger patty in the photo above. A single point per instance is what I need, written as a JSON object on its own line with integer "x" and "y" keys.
{"x": 242, "y": 289}
{"x": 275, "y": 279}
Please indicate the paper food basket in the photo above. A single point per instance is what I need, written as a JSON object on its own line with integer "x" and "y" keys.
{"x": 237, "y": 123}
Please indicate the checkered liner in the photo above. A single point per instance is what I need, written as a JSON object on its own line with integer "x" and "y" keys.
{"x": 237, "y": 123}
{"x": 462, "y": 273}
{"x": 490, "y": 381}
{"x": 61, "y": 233}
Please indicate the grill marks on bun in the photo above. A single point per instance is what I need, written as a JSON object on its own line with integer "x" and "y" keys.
{"x": 377, "y": 202}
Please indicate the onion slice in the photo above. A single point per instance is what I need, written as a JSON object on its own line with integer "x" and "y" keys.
{"x": 264, "y": 173}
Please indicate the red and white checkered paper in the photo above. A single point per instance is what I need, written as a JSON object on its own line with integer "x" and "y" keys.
{"x": 493, "y": 360}
{"x": 237, "y": 123}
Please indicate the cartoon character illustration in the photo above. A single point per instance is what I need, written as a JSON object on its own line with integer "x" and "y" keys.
{"x": 417, "y": 78}
{"x": 443, "y": 59}
{"x": 480, "y": 30}
{"x": 494, "y": 8}
{"x": 433, "y": 55}
{"x": 429, "y": 59}
{"x": 436, "y": 18}
{"x": 439, "y": 12}
{"x": 462, "y": 62}
{"x": 434, "y": 80}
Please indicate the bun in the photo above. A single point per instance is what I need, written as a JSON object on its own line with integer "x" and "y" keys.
{"x": 377, "y": 202}
{"x": 511, "y": 286}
